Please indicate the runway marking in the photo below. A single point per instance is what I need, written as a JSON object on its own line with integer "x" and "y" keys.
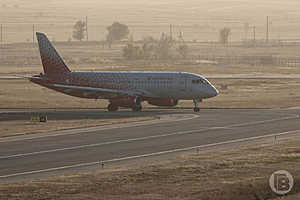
{"x": 144, "y": 138}
{"x": 108, "y": 143}
{"x": 150, "y": 154}
{"x": 106, "y": 127}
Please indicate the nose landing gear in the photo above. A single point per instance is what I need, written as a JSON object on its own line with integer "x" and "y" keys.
{"x": 137, "y": 108}
{"x": 196, "y": 108}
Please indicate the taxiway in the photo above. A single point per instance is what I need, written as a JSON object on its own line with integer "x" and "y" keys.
{"x": 71, "y": 150}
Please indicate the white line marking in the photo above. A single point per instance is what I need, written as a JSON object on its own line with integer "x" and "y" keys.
{"x": 151, "y": 154}
{"x": 144, "y": 138}
{"x": 108, "y": 143}
{"x": 102, "y": 128}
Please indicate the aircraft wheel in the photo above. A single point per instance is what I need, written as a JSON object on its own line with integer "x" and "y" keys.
{"x": 112, "y": 108}
{"x": 137, "y": 108}
{"x": 196, "y": 109}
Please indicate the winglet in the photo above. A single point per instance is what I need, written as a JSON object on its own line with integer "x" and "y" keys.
{"x": 52, "y": 62}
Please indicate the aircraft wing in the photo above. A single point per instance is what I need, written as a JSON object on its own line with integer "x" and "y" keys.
{"x": 114, "y": 92}
{"x": 13, "y": 77}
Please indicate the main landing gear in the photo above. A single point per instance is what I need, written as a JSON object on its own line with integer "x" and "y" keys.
{"x": 196, "y": 108}
{"x": 112, "y": 108}
{"x": 137, "y": 104}
{"x": 126, "y": 102}
{"x": 137, "y": 108}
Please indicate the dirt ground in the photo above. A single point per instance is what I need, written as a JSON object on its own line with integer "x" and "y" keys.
{"x": 239, "y": 173}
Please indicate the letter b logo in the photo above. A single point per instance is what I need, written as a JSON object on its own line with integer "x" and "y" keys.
{"x": 281, "y": 182}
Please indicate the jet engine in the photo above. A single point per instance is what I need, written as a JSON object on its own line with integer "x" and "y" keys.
{"x": 126, "y": 102}
{"x": 163, "y": 102}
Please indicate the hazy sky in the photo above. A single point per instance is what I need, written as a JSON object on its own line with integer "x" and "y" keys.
{"x": 152, "y": 16}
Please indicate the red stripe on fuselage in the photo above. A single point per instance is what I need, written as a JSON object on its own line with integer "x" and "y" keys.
{"x": 77, "y": 80}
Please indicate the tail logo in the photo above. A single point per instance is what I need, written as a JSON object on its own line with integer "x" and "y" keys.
{"x": 52, "y": 62}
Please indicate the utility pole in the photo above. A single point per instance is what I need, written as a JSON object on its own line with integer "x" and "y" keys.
{"x": 33, "y": 35}
{"x": 267, "y": 33}
{"x": 254, "y": 36}
{"x": 1, "y": 35}
{"x": 171, "y": 32}
{"x": 180, "y": 36}
{"x": 254, "y": 33}
{"x": 86, "y": 28}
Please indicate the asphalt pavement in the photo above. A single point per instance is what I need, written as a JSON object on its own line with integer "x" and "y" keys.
{"x": 38, "y": 155}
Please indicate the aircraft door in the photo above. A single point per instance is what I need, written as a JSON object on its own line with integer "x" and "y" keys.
{"x": 183, "y": 85}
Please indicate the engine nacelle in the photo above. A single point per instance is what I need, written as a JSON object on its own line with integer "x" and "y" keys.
{"x": 126, "y": 101}
{"x": 163, "y": 102}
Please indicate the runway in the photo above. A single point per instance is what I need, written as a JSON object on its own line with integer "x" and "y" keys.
{"x": 43, "y": 155}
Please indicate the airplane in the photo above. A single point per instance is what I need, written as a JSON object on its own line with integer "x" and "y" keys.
{"x": 121, "y": 89}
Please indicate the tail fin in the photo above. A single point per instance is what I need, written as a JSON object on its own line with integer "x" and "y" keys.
{"x": 52, "y": 62}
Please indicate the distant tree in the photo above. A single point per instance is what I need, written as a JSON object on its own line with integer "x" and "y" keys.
{"x": 149, "y": 47}
{"x": 148, "y": 50}
{"x": 79, "y": 30}
{"x": 183, "y": 50}
{"x": 224, "y": 35}
{"x": 131, "y": 52}
{"x": 149, "y": 39}
{"x": 164, "y": 46}
{"x": 117, "y": 32}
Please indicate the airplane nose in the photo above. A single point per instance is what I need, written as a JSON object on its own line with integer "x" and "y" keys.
{"x": 213, "y": 92}
{"x": 216, "y": 92}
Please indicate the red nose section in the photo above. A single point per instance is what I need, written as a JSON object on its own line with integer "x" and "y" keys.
{"x": 52, "y": 62}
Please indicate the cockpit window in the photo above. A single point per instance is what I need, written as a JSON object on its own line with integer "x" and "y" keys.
{"x": 199, "y": 81}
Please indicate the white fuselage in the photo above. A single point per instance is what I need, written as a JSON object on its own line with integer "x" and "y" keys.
{"x": 175, "y": 85}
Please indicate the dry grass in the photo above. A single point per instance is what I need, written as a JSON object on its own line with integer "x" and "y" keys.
{"x": 238, "y": 94}
{"x": 242, "y": 173}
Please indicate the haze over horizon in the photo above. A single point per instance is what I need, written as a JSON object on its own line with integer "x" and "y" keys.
{"x": 199, "y": 19}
